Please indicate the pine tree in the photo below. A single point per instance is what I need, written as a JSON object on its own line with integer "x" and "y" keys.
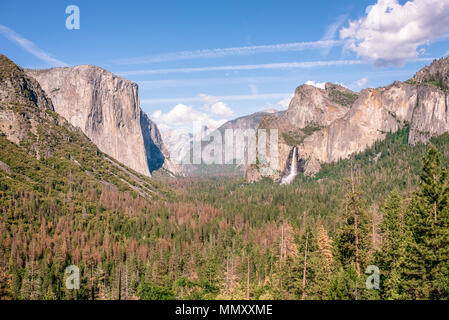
{"x": 352, "y": 241}
{"x": 427, "y": 221}
{"x": 388, "y": 257}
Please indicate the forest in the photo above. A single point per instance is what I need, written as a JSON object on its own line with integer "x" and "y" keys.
{"x": 222, "y": 238}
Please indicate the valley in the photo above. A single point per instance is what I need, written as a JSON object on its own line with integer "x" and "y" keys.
{"x": 68, "y": 196}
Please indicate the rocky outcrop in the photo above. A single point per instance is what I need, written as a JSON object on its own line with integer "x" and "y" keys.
{"x": 312, "y": 106}
{"x": 106, "y": 108}
{"x": 421, "y": 103}
{"x": 310, "y": 110}
{"x": 437, "y": 73}
{"x": 21, "y": 99}
{"x": 376, "y": 113}
{"x": 430, "y": 116}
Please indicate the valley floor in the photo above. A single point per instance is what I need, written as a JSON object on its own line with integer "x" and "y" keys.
{"x": 221, "y": 238}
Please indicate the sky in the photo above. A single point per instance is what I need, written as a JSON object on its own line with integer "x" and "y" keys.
{"x": 212, "y": 61}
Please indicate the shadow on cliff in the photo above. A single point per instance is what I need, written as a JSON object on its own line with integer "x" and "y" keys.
{"x": 155, "y": 157}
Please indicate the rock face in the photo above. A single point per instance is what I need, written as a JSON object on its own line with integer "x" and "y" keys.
{"x": 422, "y": 103}
{"x": 107, "y": 109}
{"x": 376, "y": 113}
{"x": 310, "y": 110}
{"x": 312, "y": 106}
{"x": 437, "y": 73}
{"x": 21, "y": 99}
{"x": 28, "y": 120}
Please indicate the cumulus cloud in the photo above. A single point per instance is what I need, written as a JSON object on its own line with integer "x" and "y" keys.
{"x": 391, "y": 34}
{"x": 321, "y": 85}
{"x": 216, "y": 106}
{"x": 221, "y": 109}
{"x": 184, "y": 116}
{"x": 362, "y": 82}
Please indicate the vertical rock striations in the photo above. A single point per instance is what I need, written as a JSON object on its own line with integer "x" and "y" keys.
{"x": 310, "y": 110}
{"x": 327, "y": 127}
{"x": 107, "y": 109}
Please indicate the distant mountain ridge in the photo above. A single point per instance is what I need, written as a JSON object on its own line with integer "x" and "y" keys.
{"x": 185, "y": 147}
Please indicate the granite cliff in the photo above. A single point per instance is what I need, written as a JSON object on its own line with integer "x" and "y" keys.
{"x": 326, "y": 127}
{"x": 43, "y": 152}
{"x": 107, "y": 109}
{"x": 310, "y": 110}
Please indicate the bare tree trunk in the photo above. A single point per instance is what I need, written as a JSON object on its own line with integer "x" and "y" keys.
{"x": 92, "y": 281}
{"x": 282, "y": 244}
{"x": 282, "y": 253}
{"x": 120, "y": 283}
{"x": 32, "y": 280}
{"x": 303, "y": 296}
{"x": 357, "y": 264}
{"x": 435, "y": 211}
{"x": 247, "y": 282}
{"x": 227, "y": 276}
{"x": 126, "y": 281}
{"x": 356, "y": 234}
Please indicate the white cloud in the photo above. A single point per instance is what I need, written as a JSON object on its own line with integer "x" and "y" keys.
{"x": 182, "y": 116}
{"x": 284, "y": 103}
{"x": 391, "y": 34}
{"x": 214, "y": 104}
{"x": 362, "y": 82}
{"x": 224, "y": 52}
{"x": 221, "y": 109}
{"x": 30, "y": 47}
{"x": 287, "y": 65}
{"x": 321, "y": 85}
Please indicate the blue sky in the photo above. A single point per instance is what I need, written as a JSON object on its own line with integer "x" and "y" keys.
{"x": 217, "y": 60}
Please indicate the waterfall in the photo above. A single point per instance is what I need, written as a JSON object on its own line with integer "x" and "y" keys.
{"x": 293, "y": 170}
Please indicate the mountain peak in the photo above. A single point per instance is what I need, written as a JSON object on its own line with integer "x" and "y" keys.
{"x": 437, "y": 73}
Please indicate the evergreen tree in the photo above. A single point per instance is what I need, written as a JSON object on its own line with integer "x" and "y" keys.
{"x": 424, "y": 270}
{"x": 389, "y": 255}
{"x": 352, "y": 241}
